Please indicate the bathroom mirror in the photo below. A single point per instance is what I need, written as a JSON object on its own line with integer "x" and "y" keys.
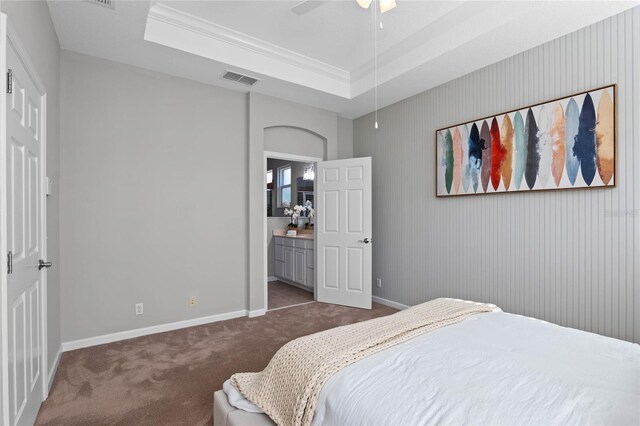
{"x": 288, "y": 182}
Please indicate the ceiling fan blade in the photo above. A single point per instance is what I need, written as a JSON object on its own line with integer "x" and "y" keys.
{"x": 307, "y": 6}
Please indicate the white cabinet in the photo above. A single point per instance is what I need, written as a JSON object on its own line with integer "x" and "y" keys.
{"x": 295, "y": 260}
{"x": 309, "y": 258}
{"x": 309, "y": 271}
{"x": 310, "y": 278}
{"x": 288, "y": 263}
{"x": 279, "y": 253}
{"x": 299, "y": 268}
{"x": 280, "y": 267}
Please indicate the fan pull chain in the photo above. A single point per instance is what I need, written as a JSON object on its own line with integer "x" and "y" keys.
{"x": 375, "y": 61}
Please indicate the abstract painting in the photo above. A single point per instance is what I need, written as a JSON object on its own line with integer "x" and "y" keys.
{"x": 565, "y": 143}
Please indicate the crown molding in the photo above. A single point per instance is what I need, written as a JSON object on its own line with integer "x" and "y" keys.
{"x": 450, "y": 45}
{"x": 165, "y": 25}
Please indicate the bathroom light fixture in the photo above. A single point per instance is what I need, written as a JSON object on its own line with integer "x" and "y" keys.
{"x": 309, "y": 174}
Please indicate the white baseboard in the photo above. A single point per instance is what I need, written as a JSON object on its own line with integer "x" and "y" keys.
{"x": 54, "y": 368}
{"x": 389, "y": 303}
{"x": 130, "y": 334}
{"x": 272, "y": 279}
{"x": 138, "y": 332}
{"x": 257, "y": 313}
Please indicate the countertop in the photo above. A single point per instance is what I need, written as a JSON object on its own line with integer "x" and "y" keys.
{"x": 296, "y": 237}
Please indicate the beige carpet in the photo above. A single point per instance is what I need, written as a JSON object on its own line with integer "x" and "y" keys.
{"x": 169, "y": 378}
{"x": 282, "y": 294}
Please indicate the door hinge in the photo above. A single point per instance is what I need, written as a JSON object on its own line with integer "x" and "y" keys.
{"x": 9, "y": 81}
{"x": 9, "y": 263}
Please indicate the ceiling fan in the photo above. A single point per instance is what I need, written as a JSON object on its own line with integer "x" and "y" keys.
{"x": 308, "y": 5}
{"x": 385, "y": 5}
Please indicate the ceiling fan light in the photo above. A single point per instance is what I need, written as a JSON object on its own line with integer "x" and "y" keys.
{"x": 386, "y": 5}
{"x": 363, "y": 3}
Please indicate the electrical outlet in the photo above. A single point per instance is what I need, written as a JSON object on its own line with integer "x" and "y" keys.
{"x": 139, "y": 308}
{"x": 379, "y": 283}
{"x": 193, "y": 301}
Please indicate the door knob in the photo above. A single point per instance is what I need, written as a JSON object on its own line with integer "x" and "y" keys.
{"x": 366, "y": 241}
{"x": 43, "y": 264}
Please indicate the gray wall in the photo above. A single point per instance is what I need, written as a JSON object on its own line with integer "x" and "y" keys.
{"x": 345, "y": 138}
{"x": 292, "y": 140}
{"x": 567, "y": 257}
{"x": 33, "y": 24}
{"x": 153, "y": 197}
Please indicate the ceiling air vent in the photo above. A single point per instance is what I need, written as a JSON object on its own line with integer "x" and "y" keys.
{"x": 111, "y": 4}
{"x": 240, "y": 78}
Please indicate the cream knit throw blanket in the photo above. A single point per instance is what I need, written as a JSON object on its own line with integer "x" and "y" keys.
{"x": 288, "y": 388}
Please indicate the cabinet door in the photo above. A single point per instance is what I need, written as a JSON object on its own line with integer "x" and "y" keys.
{"x": 279, "y": 268}
{"x": 280, "y": 253}
{"x": 310, "y": 278}
{"x": 299, "y": 270}
{"x": 310, "y": 258}
{"x": 288, "y": 263}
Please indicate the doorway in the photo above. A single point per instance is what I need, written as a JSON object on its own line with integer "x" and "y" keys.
{"x": 289, "y": 209}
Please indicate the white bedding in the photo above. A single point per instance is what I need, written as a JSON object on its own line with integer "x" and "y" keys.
{"x": 493, "y": 368}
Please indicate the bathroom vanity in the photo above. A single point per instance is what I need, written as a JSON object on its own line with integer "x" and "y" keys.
{"x": 294, "y": 260}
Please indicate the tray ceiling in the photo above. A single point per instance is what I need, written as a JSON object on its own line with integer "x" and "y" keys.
{"x": 324, "y": 57}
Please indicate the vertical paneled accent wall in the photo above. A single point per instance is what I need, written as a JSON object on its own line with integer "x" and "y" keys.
{"x": 568, "y": 257}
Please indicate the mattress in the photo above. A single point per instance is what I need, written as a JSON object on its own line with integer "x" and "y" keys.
{"x": 492, "y": 368}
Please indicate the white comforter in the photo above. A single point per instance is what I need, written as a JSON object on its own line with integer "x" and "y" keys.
{"x": 493, "y": 368}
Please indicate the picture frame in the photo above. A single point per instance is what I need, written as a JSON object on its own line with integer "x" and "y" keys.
{"x": 563, "y": 143}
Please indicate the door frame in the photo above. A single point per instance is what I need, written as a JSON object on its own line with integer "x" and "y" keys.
{"x": 4, "y": 330}
{"x": 265, "y": 261}
{"x": 10, "y": 38}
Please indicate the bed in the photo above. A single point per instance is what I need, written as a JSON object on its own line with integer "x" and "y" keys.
{"x": 490, "y": 368}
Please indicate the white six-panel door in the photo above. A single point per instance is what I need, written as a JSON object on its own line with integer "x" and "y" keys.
{"x": 343, "y": 232}
{"x": 24, "y": 126}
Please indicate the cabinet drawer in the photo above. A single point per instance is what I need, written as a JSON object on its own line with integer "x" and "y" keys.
{"x": 279, "y": 240}
{"x": 279, "y": 252}
{"x": 279, "y": 268}
{"x": 305, "y": 244}
{"x": 288, "y": 242}
{"x": 310, "y": 258}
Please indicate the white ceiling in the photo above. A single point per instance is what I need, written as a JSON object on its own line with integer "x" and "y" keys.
{"x": 325, "y": 57}
{"x": 338, "y": 33}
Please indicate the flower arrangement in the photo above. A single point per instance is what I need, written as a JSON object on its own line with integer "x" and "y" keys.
{"x": 310, "y": 213}
{"x": 296, "y": 211}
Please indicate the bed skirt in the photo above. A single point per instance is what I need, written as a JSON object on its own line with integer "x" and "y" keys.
{"x": 224, "y": 414}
